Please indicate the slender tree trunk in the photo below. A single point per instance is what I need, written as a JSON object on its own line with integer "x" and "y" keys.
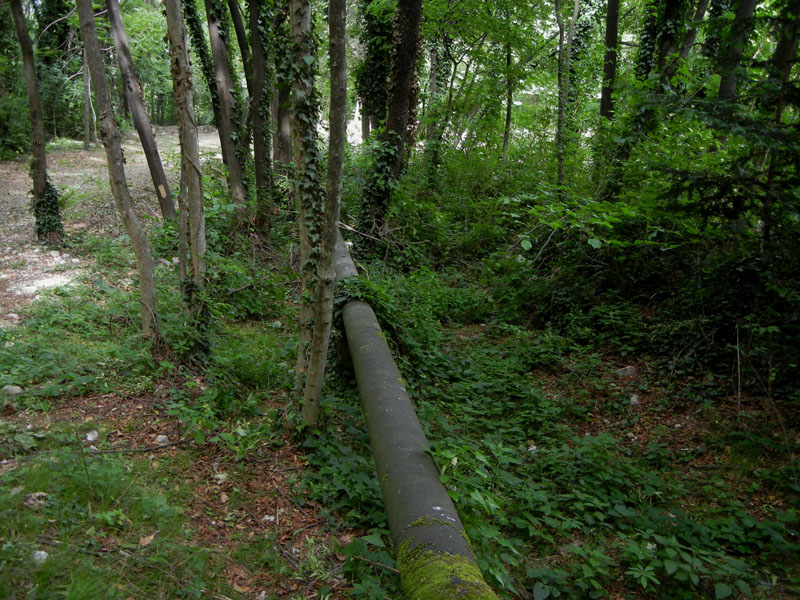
{"x": 134, "y": 95}
{"x": 109, "y": 133}
{"x": 187, "y": 131}
{"x": 610, "y": 60}
{"x": 731, "y": 54}
{"x": 45, "y": 197}
{"x": 307, "y": 172}
{"x": 225, "y": 124}
{"x": 688, "y": 42}
{"x": 198, "y": 39}
{"x": 282, "y": 142}
{"x": 241, "y": 38}
{"x": 509, "y": 103}
{"x": 564, "y": 46}
{"x": 365, "y": 129}
{"x": 87, "y": 107}
{"x": 261, "y": 109}
{"x": 326, "y": 274}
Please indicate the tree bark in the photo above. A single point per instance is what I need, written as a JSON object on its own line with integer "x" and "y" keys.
{"x": 133, "y": 92}
{"x": 109, "y": 134}
{"x": 564, "y": 47}
{"x": 388, "y": 163}
{"x": 282, "y": 142}
{"x": 225, "y": 124}
{"x": 610, "y": 60}
{"x": 45, "y": 198}
{"x": 195, "y": 30}
{"x": 405, "y": 50}
{"x": 261, "y": 110}
{"x": 187, "y": 130}
{"x": 244, "y": 49}
{"x": 326, "y": 275}
{"x": 731, "y": 54}
{"x": 509, "y": 103}
{"x": 307, "y": 173}
{"x": 88, "y": 113}
{"x": 433, "y": 554}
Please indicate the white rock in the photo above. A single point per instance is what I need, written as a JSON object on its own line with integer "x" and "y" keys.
{"x": 11, "y": 390}
{"x": 162, "y": 439}
{"x": 12, "y": 317}
{"x": 268, "y": 518}
{"x": 92, "y": 436}
{"x": 75, "y": 261}
{"x": 28, "y": 290}
{"x": 55, "y": 253}
{"x": 628, "y": 371}
{"x": 634, "y": 399}
{"x": 220, "y": 477}
{"x": 38, "y": 557}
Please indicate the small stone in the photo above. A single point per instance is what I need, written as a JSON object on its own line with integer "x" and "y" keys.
{"x": 35, "y": 500}
{"x": 162, "y": 439}
{"x": 11, "y": 390}
{"x": 268, "y": 518}
{"x": 55, "y": 253}
{"x": 12, "y": 317}
{"x": 38, "y": 557}
{"x": 628, "y": 371}
{"x": 220, "y": 477}
{"x": 75, "y": 261}
{"x": 175, "y": 260}
{"x": 634, "y": 399}
{"x": 92, "y": 436}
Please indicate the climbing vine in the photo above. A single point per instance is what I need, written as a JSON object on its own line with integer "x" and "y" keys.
{"x": 47, "y": 212}
{"x": 308, "y": 189}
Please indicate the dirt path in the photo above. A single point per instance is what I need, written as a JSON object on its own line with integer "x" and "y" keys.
{"x": 81, "y": 177}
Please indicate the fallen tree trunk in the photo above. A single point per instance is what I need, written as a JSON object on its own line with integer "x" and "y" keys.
{"x": 433, "y": 553}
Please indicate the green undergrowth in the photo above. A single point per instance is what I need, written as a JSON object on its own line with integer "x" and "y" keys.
{"x": 77, "y": 525}
{"x": 555, "y": 503}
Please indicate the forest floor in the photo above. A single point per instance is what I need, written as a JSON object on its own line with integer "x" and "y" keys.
{"x": 136, "y": 507}
{"x": 255, "y": 541}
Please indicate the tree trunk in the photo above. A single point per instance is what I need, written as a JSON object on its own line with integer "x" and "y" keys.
{"x": 225, "y": 124}
{"x": 134, "y": 95}
{"x": 564, "y": 47}
{"x": 307, "y": 173}
{"x": 610, "y": 60}
{"x": 731, "y": 54}
{"x": 261, "y": 109}
{"x": 241, "y": 38}
{"x": 401, "y": 80}
{"x": 433, "y": 554}
{"x": 187, "y": 131}
{"x": 389, "y": 160}
{"x": 195, "y": 30}
{"x": 109, "y": 133}
{"x": 326, "y": 275}
{"x": 509, "y": 103}
{"x": 688, "y": 42}
{"x": 282, "y": 142}
{"x": 45, "y": 197}
{"x": 88, "y": 117}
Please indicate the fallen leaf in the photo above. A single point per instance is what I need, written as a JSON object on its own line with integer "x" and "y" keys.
{"x": 147, "y": 540}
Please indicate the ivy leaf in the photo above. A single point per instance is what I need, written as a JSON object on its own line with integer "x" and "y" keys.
{"x": 595, "y": 243}
{"x": 540, "y": 591}
{"x": 526, "y": 245}
{"x": 309, "y": 59}
{"x": 722, "y": 590}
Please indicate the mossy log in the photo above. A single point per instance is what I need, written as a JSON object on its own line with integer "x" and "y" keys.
{"x": 433, "y": 553}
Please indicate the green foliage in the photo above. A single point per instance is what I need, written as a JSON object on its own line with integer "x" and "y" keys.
{"x": 47, "y": 211}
